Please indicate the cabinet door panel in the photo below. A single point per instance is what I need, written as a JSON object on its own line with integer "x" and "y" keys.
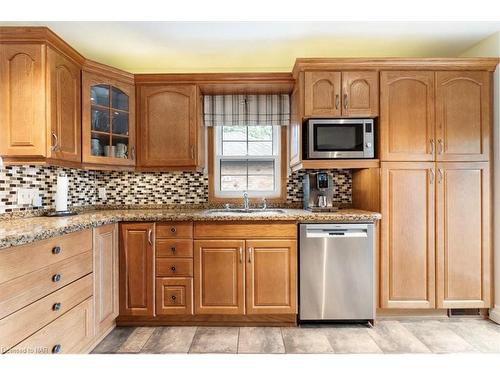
{"x": 22, "y": 100}
{"x": 463, "y": 116}
{"x": 105, "y": 276}
{"x": 105, "y": 125}
{"x": 463, "y": 225}
{"x": 219, "y": 277}
{"x": 137, "y": 269}
{"x": 359, "y": 94}
{"x": 322, "y": 94}
{"x": 63, "y": 99}
{"x": 407, "y": 116}
{"x": 271, "y": 276}
{"x": 168, "y": 126}
{"x": 407, "y": 243}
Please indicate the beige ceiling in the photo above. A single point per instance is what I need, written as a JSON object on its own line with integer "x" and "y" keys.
{"x": 149, "y": 47}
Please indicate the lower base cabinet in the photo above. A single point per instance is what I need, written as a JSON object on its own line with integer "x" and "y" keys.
{"x": 72, "y": 333}
{"x": 271, "y": 276}
{"x": 249, "y": 276}
{"x": 174, "y": 296}
{"x": 435, "y": 235}
{"x": 105, "y": 277}
{"x": 219, "y": 267}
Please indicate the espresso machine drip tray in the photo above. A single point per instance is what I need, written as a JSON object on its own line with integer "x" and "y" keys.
{"x": 322, "y": 209}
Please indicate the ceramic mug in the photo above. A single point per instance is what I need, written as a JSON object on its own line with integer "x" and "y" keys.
{"x": 121, "y": 150}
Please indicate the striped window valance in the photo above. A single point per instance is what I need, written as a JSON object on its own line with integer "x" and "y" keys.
{"x": 225, "y": 110}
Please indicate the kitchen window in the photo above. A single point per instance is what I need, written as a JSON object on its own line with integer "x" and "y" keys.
{"x": 247, "y": 158}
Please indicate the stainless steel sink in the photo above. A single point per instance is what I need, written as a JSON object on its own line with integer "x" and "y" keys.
{"x": 245, "y": 211}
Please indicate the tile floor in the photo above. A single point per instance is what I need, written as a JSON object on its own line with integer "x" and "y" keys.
{"x": 388, "y": 336}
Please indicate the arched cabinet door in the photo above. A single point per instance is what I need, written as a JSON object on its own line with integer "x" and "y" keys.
{"x": 463, "y": 116}
{"x": 360, "y": 94}
{"x": 108, "y": 121}
{"x": 322, "y": 94}
{"x": 64, "y": 103}
{"x": 406, "y": 123}
{"x": 167, "y": 131}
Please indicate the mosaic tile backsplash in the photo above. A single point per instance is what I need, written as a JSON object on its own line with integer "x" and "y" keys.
{"x": 131, "y": 188}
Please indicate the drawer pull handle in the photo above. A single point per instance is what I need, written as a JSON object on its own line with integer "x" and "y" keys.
{"x": 56, "y": 306}
{"x": 56, "y": 349}
{"x": 172, "y": 268}
{"x": 56, "y": 278}
{"x": 173, "y": 230}
{"x": 173, "y": 249}
{"x": 174, "y": 298}
{"x": 56, "y": 250}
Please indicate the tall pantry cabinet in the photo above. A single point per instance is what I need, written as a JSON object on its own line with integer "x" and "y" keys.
{"x": 435, "y": 129}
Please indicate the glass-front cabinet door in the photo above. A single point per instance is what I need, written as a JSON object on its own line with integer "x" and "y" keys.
{"x": 108, "y": 121}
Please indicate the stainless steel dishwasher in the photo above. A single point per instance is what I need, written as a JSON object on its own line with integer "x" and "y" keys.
{"x": 337, "y": 272}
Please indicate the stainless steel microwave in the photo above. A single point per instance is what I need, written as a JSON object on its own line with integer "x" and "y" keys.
{"x": 340, "y": 139}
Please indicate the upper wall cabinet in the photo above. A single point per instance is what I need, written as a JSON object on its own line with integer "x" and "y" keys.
{"x": 168, "y": 136}
{"x": 427, "y": 116}
{"x": 335, "y": 94}
{"x": 407, "y": 116}
{"x": 462, "y": 116}
{"x": 40, "y": 104}
{"x": 63, "y": 104}
{"x": 22, "y": 100}
{"x": 108, "y": 121}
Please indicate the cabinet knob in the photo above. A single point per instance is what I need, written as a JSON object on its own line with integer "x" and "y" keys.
{"x": 56, "y": 278}
{"x": 56, "y": 349}
{"x": 56, "y": 306}
{"x": 173, "y": 249}
{"x": 56, "y": 250}
{"x": 173, "y": 230}
{"x": 174, "y": 298}
{"x": 172, "y": 268}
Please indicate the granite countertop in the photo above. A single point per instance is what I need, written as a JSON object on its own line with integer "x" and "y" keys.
{"x": 14, "y": 232}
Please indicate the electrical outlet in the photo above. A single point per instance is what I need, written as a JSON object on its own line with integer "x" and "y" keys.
{"x": 102, "y": 193}
{"x": 28, "y": 197}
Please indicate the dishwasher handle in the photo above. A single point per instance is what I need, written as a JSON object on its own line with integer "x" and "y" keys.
{"x": 336, "y": 233}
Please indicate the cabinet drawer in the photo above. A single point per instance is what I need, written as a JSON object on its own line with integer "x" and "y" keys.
{"x": 69, "y": 334}
{"x": 174, "y": 267}
{"x": 174, "y": 296}
{"x": 181, "y": 229}
{"x": 21, "y": 291}
{"x": 174, "y": 248}
{"x": 245, "y": 230}
{"x": 23, "y": 323}
{"x": 21, "y": 260}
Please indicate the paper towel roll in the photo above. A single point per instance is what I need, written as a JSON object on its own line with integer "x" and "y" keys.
{"x": 62, "y": 193}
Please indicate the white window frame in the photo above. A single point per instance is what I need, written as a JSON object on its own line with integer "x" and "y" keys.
{"x": 276, "y": 157}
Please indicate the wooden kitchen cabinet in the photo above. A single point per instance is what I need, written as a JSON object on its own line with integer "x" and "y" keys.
{"x": 39, "y": 104}
{"x": 64, "y": 107}
{"x": 108, "y": 118}
{"x": 407, "y": 123}
{"x": 22, "y": 100}
{"x": 105, "y": 277}
{"x": 463, "y": 225}
{"x": 271, "y": 271}
{"x": 137, "y": 269}
{"x": 322, "y": 94}
{"x": 174, "y": 296}
{"x": 407, "y": 235}
{"x": 463, "y": 110}
{"x": 168, "y": 136}
{"x": 360, "y": 94}
{"x": 335, "y": 94}
{"x": 219, "y": 267}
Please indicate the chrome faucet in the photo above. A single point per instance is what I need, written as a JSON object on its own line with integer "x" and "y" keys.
{"x": 246, "y": 204}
